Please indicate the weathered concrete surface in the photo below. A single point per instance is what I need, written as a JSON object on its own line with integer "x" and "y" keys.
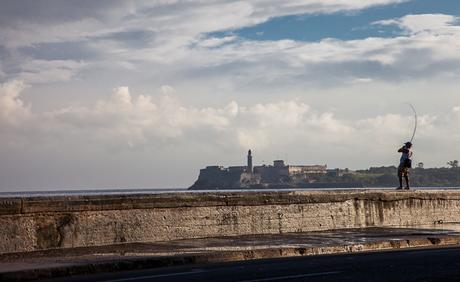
{"x": 39, "y": 223}
{"x": 85, "y": 260}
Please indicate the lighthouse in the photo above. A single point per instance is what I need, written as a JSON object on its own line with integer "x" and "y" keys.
{"x": 249, "y": 167}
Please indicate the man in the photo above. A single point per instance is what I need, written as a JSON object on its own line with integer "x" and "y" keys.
{"x": 405, "y": 163}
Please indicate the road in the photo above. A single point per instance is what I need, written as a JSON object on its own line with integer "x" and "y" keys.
{"x": 442, "y": 264}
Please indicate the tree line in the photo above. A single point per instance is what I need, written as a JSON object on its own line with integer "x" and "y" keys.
{"x": 385, "y": 176}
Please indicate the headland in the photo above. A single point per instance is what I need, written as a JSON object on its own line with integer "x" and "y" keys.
{"x": 281, "y": 175}
{"x": 277, "y": 176}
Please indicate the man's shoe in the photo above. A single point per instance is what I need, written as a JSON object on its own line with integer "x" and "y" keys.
{"x": 399, "y": 188}
{"x": 407, "y": 188}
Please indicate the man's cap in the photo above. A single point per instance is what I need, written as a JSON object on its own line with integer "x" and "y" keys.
{"x": 408, "y": 143}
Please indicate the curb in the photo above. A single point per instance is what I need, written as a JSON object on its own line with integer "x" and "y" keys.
{"x": 224, "y": 256}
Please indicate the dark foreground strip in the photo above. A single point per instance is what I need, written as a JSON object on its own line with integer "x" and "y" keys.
{"x": 155, "y": 276}
{"x": 125, "y": 264}
{"x": 290, "y": 277}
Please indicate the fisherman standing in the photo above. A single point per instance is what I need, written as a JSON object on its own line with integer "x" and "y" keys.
{"x": 405, "y": 163}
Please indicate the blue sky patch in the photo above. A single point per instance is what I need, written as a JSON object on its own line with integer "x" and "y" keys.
{"x": 343, "y": 25}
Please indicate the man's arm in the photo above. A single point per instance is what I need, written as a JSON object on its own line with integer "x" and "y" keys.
{"x": 400, "y": 150}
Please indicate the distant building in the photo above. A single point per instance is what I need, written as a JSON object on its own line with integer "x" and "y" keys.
{"x": 338, "y": 172}
{"x": 249, "y": 176}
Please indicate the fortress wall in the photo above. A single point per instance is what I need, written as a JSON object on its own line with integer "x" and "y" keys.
{"x": 36, "y": 223}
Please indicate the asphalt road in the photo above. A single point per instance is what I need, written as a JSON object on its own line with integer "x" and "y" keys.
{"x": 442, "y": 264}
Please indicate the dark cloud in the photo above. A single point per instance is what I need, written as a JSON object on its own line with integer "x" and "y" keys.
{"x": 61, "y": 51}
{"x": 55, "y": 11}
{"x": 130, "y": 39}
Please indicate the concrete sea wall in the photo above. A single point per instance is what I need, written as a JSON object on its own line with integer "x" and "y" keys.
{"x": 36, "y": 223}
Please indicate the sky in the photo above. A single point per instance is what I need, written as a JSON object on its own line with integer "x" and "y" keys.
{"x": 142, "y": 94}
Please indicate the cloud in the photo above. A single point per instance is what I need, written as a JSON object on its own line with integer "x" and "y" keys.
{"x": 167, "y": 89}
{"x": 423, "y": 23}
{"x": 13, "y": 110}
{"x": 2, "y": 74}
{"x": 215, "y": 41}
{"x": 144, "y": 121}
{"x": 44, "y": 71}
{"x": 162, "y": 127}
{"x": 139, "y": 120}
{"x": 40, "y": 23}
{"x": 147, "y": 121}
{"x": 157, "y": 42}
{"x": 266, "y": 64}
{"x": 125, "y": 121}
{"x": 413, "y": 56}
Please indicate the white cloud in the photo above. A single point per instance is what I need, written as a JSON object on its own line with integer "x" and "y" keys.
{"x": 12, "y": 109}
{"x": 215, "y": 41}
{"x": 167, "y": 89}
{"x": 362, "y": 80}
{"x": 128, "y": 121}
{"x": 124, "y": 123}
{"x": 140, "y": 120}
{"x": 284, "y": 113}
{"x": 144, "y": 121}
{"x": 423, "y": 23}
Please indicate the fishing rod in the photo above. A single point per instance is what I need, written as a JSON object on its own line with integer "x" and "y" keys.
{"x": 415, "y": 122}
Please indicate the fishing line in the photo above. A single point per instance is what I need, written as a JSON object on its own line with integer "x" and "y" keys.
{"x": 415, "y": 122}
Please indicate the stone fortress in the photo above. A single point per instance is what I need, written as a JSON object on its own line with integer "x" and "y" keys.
{"x": 278, "y": 175}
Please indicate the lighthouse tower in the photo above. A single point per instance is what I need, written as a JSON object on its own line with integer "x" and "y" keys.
{"x": 249, "y": 168}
